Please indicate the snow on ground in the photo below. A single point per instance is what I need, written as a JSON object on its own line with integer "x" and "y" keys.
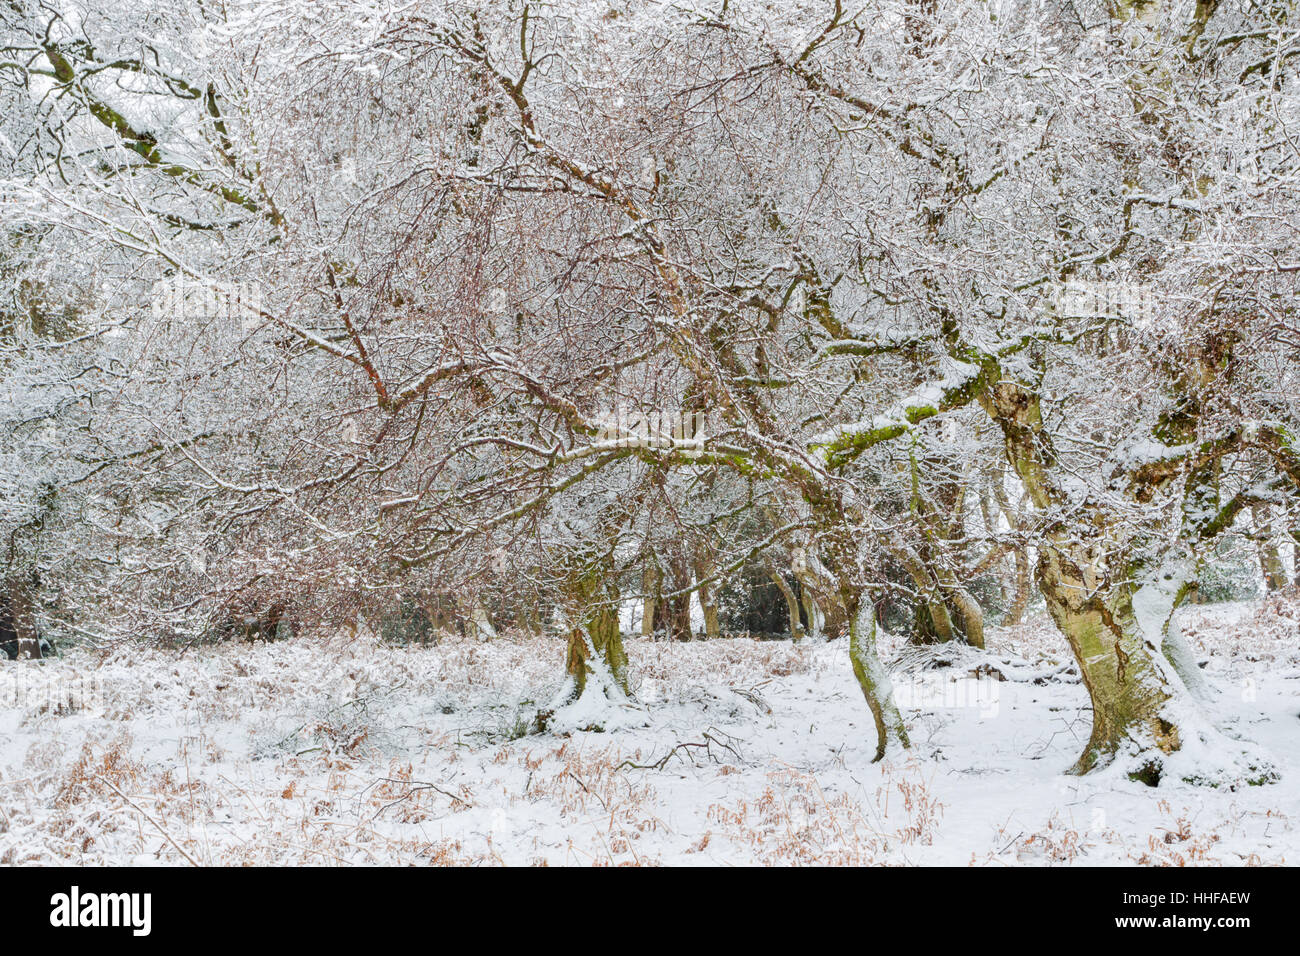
{"x": 327, "y": 751}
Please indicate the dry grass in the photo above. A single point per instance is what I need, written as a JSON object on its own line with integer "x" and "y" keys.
{"x": 335, "y": 751}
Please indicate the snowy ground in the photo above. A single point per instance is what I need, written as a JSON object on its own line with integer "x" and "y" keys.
{"x": 346, "y": 752}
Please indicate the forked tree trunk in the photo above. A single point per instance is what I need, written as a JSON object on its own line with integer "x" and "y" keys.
{"x": 595, "y": 639}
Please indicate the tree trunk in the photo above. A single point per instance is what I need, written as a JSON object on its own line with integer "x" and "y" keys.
{"x": 969, "y": 615}
{"x": 652, "y": 579}
{"x": 1128, "y": 680}
{"x": 1126, "y": 683}
{"x": 873, "y": 678}
{"x": 708, "y": 597}
{"x": 676, "y": 610}
{"x": 812, "y": 613}
{"x": 1270, "y": 561}
{"x": 824, "y": 607}
{"x": 1295, "y": 556}
{"x": 477, "y": 622}
{"x": 1024, "y": 581}
{"x": 712, "y": 626}
{"x": 947, "y": 612}
{"x": 595, "y": 639}
{"x": 791, "y": 602}
{"x": 843, "y": 568}
{"x": 598, "y": 640}
{"x": 20, "y": 607}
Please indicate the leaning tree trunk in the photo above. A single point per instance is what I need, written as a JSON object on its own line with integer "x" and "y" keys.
{"x": 873, "y": 678}
{"x": 1128, "y": 685}
{"x": 1129, "y": 681}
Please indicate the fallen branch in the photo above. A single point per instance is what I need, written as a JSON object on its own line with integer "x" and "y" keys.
{"x": 689, "y": 748}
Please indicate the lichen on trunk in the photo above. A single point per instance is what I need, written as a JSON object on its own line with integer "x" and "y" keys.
{"x": 1126, "y": 684}
{"x": 595, "y": 695}
{"x": 595, "y": 639}
{"x": 874, "y": 679}
{"x": 1088, "y": 587}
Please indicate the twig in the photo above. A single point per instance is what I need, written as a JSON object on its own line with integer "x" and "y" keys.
{"x": 157, "y": 825}
{"x": 687, "y": 747}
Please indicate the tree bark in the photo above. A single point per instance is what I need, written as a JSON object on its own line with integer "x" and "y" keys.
{"x": 708, "y": 596}
{"x": 948, "y": 611}
{"x": 1270, "y": 560}
{"x": 1091, "y": 601}
{"x": 791, "y": 602}
{"x": 1127, "y": 687}
{"x": 824, "y": 606}
{"x": 675, "y": 619}
{"x": 1024, "y": 581}
{"x": 874, "y": 679}
{"x": 969, "y": 615}
{"x": 21, "y": 608}
{"x": 652, "y": 578}
{"x": 1295, "y": 557}
{"x": 595, "y": 639}
{"x": 477, "y": 622}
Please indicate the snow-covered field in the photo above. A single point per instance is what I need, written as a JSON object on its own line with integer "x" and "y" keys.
{"x": 334, "y": 751}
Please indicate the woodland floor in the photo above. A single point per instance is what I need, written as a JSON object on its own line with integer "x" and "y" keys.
{"x": 330, "y": 751}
